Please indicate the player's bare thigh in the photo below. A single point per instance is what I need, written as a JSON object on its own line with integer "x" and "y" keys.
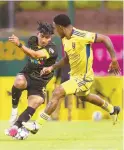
{"x": 59, "y": 92}
{"x": 20, "y": 82}
{"x": 35, "y": 101}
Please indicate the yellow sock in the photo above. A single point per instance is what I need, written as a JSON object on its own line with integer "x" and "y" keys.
{"x": 108, "y": 107}
{"x": 43, "y": 117}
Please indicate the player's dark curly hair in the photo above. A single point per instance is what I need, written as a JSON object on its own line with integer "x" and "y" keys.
{"x": 62, "y": 20}
{"x": 45, "y": 28}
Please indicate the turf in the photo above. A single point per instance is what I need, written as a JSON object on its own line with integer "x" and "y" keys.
{"x": 83, "y": 135}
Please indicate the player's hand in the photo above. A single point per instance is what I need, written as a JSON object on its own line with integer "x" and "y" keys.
{"x": 114, "y": 67}
{"x": 46, "y": 70}
{"x": 14, "y": 39}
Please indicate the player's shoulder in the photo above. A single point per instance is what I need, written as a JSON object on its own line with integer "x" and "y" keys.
{"x": 78, "y": 32}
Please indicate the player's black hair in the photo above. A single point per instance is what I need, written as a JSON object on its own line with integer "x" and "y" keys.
{"x": 62, "y": 20}
{"x": 45, "y": 28}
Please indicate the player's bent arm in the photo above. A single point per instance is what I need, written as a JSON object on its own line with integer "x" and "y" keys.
{"x": 61, "y": 63}
{"x": 106, "y": 40}
{"x": 34, "y": 54}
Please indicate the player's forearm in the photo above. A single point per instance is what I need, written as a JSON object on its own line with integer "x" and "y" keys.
{"x": 60, "y": 64}
{"x": 28, "y": 51}
{"x": 110, "y": 48}
{"x": 108, "y": 44}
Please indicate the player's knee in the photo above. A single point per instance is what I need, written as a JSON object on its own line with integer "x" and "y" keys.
{"x": 39, "y": 101}
{"x": 20, "y": 82}
{"x": 59, "y": 92}
{"x": 87, "y": 98}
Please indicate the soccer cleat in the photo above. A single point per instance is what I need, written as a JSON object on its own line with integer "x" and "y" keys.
{"x": 114, "y": 115}
{"x": 33, "y": 127}
{"x": 14, "y": 116}
{"x": 12, "y": 131}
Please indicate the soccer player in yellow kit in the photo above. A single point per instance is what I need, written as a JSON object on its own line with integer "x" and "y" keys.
{"x": 77, "y": 46}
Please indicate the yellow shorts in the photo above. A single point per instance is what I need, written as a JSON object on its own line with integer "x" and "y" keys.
{"x": 77, "y": 86}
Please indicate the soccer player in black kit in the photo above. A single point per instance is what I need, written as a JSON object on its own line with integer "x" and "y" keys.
{"x": 42, "y": 53}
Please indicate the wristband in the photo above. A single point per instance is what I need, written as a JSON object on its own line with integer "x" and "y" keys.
{"x": 20, "y": 45}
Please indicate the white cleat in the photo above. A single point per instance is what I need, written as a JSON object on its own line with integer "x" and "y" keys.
{"x": 14, "y": 116}
{"x": 33, "y": 127}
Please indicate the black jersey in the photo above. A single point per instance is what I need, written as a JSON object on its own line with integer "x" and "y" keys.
{"x": 34, "y": 66}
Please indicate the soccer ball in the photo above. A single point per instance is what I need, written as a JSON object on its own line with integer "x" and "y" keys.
{"x": 22, "y": 134}
{"x": 97, "y": 116}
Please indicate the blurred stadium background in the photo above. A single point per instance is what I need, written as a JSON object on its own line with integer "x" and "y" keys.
{"x": 20, "y": 18}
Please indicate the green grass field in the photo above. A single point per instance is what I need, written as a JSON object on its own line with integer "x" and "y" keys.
{"x": 84, "y": 135}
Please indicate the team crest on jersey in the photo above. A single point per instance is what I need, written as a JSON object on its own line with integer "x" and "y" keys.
{"x": 51, "y": 50}
{"x": 73, "y": 45}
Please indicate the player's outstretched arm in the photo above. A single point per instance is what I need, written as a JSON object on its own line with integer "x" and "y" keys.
{"x": 32, "y": 53}
{"x": 114, "y": 66}
{"x": 60, "y": 64}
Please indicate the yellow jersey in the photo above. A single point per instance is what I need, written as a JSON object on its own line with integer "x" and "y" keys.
{"x": 79, "y": 51}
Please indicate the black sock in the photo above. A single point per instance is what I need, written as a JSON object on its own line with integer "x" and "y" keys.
{"x": 25, "y": 116}
{"x": 16, "y": 93}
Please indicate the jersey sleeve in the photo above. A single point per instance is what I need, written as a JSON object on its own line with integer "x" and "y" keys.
{"x": 50, "y": 51}
{"x": 85, "y": 36}
{"x": 90, "y": 37}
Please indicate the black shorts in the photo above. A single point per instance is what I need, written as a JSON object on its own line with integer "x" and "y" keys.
{"x": 34, "y": 87}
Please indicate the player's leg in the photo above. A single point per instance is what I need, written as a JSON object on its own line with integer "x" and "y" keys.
{"x": 45, "y": 115}
{"x": 34, "y": 101}
{"x": 19, "y": 84}
{"x": 96, "y": 100}
{"x": 59, "y": 92}
{"x": 55, "y": 114}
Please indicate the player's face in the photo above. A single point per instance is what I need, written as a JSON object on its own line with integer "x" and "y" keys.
{"x": 43, "y": 39}
{"x": 58, "y": 30}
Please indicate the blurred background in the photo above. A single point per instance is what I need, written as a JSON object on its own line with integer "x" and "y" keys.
{"x": 20, "y": 18}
